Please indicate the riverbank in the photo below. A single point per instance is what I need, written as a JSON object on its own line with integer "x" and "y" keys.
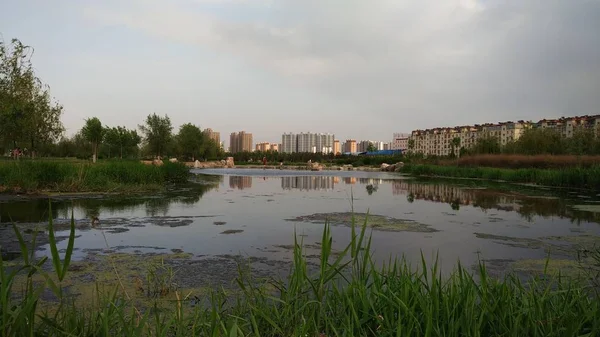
{"x": 571, "y": 177}
{"x": 291, "y": 167}
{"x": 42, "y": 177}
{"x": 343, "y": 294}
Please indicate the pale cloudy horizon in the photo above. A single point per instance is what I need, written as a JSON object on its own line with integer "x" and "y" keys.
{"x": 358, "y": 69}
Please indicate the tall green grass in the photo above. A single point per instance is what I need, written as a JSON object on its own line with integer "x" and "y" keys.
{"x": 578, "y": 177}
{"x": 65, "y": 176}
{"x": 348, "y": 295}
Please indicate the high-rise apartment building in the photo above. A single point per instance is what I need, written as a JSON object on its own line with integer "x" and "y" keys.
{"x": 216, "y": 136}
{"x": 263, "y": 147}
{"x": 240, "y": 142}
{"x": 337, "y": 149}
{"x": 350, "y": 146}
{"x": 266, "y": 146}
{"x": 288, "y": 143}
{"x": 307, "y": 142}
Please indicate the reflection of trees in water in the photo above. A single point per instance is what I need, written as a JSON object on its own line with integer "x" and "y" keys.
{"x": 28, "y": 211}
{"x": 527, "y": 206}
{"x": 36, "y": 210}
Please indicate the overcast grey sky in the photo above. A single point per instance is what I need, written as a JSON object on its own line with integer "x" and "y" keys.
{"x": 361, "y": 69}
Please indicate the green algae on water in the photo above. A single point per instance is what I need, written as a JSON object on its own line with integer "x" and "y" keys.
{"x": 377, "y": 222}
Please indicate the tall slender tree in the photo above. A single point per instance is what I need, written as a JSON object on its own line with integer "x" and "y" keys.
{"x": 93, "y": 132}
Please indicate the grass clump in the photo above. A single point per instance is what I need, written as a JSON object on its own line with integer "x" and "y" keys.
{"x": 65, "y": 176}
{"x": 577, "y": 177}
{"x": 345, "y": 295}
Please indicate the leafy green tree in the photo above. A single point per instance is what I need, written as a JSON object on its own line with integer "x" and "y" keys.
{"x": 371, "y": 147}
{"x": 582, "y": 142}
{"x": 42, "y": 124}
{"x": 27, "y": 113}
{"x": 411, "y": 144}
{"x": 540, "y": 141}
{"x": 157, "y": 133}
{"x": 191, "y": 141}
{"x": 486, "y": 145}
{"x": 122, "y": 141}
{"x": 93, "y": 132}
{"x": 454, "y": 146}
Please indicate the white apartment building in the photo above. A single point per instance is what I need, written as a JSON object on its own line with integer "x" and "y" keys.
{"x": 438, "y": 141}
{"x": 307, "y": 142}
{"x": 288, "y": 143}
{"x": 400, "y": 141}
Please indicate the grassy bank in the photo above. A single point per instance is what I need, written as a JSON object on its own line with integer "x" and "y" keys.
{"x": 346, "y": 296}
{"x": 515, "y": 161}
{"x": 575, "y": 177}
{"x": 30, "y": 176}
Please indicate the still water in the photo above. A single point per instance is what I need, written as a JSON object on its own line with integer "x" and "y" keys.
{"x": 247, "y": 212}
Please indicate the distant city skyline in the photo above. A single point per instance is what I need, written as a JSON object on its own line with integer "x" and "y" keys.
{"x": 366, "y": 71}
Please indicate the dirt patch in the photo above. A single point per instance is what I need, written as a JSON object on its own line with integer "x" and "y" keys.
{"x": 377, "y": 222}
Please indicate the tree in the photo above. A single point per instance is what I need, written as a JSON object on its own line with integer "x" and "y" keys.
{"x": 42, "y": 123}
{"x": 540, "y": 141}
{"x": 411, "y": 144}
{"x": 121, "y": 140}
{"x": 93, "y": 132}
{"x": 157, "y": 133}
{"x": 191, "y": 141}
{"x": 486, "y": 145}
{"x": 27, "y": 113}
{"x": 371, "y": 147}
{"x": 582, "y": 142}
{"x": 454, "y": 145}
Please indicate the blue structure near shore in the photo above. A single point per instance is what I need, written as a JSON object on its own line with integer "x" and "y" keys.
{"x": 383, "y": 153}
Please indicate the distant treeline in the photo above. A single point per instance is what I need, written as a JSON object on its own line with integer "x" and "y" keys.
{"x": 303, "y": 157}
{"x": 30, "y": 123}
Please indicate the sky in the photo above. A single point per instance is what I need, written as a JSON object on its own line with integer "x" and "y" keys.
{"x": 360, "y": 69}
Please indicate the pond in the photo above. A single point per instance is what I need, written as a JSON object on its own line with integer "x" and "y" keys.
{"x": 256, "y": 213}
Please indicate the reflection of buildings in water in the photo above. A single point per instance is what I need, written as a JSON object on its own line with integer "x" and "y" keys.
{"x": 527, "y": 206}
{"x": 370, "y": 181}
{"x": 308, "y": 183}
{"x": 240, "y": 182}
{"x": 434, "y": 192}
{"x": 350, "y": 180}
{"x": 336, "y": 180}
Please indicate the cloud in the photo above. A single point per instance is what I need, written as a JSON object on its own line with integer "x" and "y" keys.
{"x": 414, "y": 63}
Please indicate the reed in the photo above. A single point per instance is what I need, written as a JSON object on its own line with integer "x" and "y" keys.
{"x": 347, "y": 295}
{"x": 516, "y": 161}
{"x": 66, "y": 176}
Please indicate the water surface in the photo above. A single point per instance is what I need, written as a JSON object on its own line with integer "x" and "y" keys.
{"x": 246, "y": 212}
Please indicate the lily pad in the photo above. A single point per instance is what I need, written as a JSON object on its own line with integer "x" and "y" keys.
{"x": 377, "y": 222}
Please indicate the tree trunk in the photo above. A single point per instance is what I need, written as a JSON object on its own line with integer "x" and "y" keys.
{"x": 121, "y": 151}
{"x": 95, "y": 153}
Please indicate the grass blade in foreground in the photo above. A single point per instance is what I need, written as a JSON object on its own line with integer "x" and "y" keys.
{"x": 354, "y": 298}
